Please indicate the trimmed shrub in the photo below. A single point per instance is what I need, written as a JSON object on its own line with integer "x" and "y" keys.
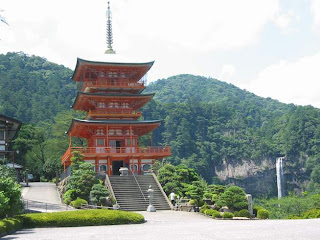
{"x": 313, "y": 213}
{"x": 256, "y": 209}
{"x": 234, "y": 198}
{"x": 228, "y": 215}
{"x": 204, "y": 208}
{"x": 94, "y": 217}
{"x": 69, "y": 196}
{"x": 216, "y": 214}
{"x": 77, "y": 203}
{"x": 99, "y": 194}
{"x": 244, "y": 213}
{"x": 263, "y": 213}
{"x": 9, "y": 225}
{"x": 79, "y": 218}
{"x": 209, "y": 212}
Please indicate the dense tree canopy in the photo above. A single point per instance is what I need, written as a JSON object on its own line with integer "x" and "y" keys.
{"x": 33, "y": 89}
{"x": 207, "y": 121}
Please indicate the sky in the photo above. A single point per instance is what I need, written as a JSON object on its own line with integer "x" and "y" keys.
{"x": 268, "y": 47}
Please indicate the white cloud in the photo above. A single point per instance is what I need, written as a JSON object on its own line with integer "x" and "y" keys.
{"x": 290, "y": 82}
{"x": 61, "y": 30}
{"x": 227, "y": 73}
{"x": 315, "y": 10}
{"x": 201, "y": 25}
{"x": 286, "y": 20}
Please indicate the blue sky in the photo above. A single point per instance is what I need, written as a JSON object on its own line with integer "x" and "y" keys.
{"x": 269, "y": 47}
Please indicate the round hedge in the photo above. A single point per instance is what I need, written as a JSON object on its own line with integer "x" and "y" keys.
{"x": 80, "y": 218}
{"x": 263, "y": 214}
{"x": 227, "y": 215}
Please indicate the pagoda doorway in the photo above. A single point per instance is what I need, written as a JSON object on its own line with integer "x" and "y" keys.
{"x": 116, "y": 165}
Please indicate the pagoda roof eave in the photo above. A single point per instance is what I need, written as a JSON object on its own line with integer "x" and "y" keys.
{"x": 150, "y": 95}
{"x": 114, "y": 122}
{"x": 88, "y": 62}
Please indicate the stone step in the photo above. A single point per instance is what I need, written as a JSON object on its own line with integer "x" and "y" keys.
{"x": 129, "y": 196}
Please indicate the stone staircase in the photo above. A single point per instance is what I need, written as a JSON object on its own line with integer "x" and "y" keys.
{"x": 132, "y": 196}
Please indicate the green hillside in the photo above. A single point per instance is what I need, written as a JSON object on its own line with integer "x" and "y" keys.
{"x": 185, "y": 87}
{"x": 212, "y": 125}
{"x": 227, "y": 134}
{"x": 33, "y": 89}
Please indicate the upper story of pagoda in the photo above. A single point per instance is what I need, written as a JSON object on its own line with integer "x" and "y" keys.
{"x": 108, "y": 77}
{"x": 111, "y": 105}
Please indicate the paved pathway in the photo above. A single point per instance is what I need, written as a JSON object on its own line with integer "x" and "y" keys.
{"x": 42, "y": 197}
{"x": 41, "y": 192}
{"x": 169, "y": 225}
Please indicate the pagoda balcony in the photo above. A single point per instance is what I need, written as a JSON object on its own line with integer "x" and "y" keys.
{"x": 90, "y": 85}
{"x": 122, "y": 152}
{"x": 114, "y": 113}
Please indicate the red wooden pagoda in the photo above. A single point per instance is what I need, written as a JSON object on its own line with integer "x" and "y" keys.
{"x": 110, "y": 93}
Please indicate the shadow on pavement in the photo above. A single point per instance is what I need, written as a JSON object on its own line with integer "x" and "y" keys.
{"x": 20, "y": 232}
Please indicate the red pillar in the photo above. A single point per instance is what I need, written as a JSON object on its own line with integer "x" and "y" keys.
{"x": 139, "y": 166}
{"x": 97, "y": 164}
{"x": 132, "y": 165}
{"x": 109, "y": 164}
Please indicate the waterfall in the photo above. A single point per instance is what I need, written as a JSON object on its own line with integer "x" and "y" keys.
{"x": 279, "y": 169}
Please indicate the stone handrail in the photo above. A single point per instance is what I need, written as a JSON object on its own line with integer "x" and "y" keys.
{"x": 161, "y": 189}
{"x": 107, "y": 183}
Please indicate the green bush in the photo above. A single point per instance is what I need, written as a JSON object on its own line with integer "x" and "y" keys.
{"x": 80, "y": 218}
{"x": 234, "y": 198}
{"x": 83, "y": 177}
{"x": 99, "y": 194}
{"x": 10, "y": 197}
{"x": 207, "y": 195}
{"x": 77, "y": 203}
{"x": 263, "y": 213}
{"x": 69, "y": 196}
{"x": 216, "y": 214}
{"x": 204, "y": 208}
{"x": 243, "y": 213}
{"x": 43, "y": 179}
{"x": 313, "y": 213}
{"x": 69, "y": 219}
{"x": 293, "y": 217}
{"x": 256, "y": 209}
{"x": 9, "y": 225}
{"x": 228, "y": 215}
{"x": 209, "y": 212}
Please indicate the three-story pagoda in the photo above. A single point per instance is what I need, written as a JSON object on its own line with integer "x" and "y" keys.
{"x": 111, "y": 94}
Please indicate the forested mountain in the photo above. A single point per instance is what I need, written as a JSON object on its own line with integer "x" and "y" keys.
{"x": 33, "y": 89}
{"x": 227, "y": 134}
{"x": 236, "y": 136}
{"x": 185, "y": 87}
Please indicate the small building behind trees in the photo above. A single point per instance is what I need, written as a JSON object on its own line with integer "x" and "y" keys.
{"x": 9, "y": 128}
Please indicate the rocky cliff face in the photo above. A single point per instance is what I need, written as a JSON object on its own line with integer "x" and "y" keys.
{"x": 259, "y": 177}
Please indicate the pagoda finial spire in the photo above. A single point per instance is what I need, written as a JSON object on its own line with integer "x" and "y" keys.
{"x": 109, "y": 32}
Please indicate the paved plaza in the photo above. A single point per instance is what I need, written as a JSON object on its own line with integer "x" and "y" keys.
{"x": 169, "y": 225}
{"x": 41, "y": 191}
{"x": 42, "y": 197}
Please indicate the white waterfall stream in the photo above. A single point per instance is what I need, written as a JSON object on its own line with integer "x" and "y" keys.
{"x": 279, "y": 170}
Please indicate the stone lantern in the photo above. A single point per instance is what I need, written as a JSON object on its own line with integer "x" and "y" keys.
{"x": 150, "y": 208}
